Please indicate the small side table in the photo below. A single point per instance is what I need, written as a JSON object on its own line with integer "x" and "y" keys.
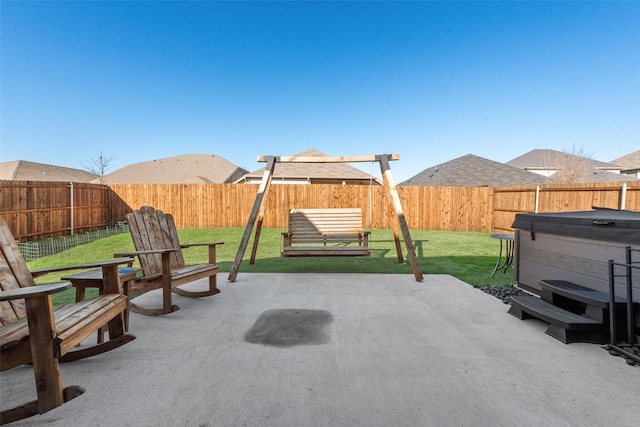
{"x": 506, "y": 251}
{"x": 93, "y": 279}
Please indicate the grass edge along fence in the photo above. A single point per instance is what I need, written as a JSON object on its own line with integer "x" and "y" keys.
{"x": 38, "y": 210}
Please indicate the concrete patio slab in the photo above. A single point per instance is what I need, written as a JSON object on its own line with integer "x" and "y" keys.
{"x": 390, "y": 351}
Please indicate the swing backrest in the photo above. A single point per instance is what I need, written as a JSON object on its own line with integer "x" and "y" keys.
{"x": 338, "y": 225}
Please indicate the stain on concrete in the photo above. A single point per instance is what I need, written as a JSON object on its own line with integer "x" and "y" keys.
{"x": 290, "y": 327}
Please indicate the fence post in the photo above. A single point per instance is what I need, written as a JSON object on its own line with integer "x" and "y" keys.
{"x": 71, "y": 203}
{"x": 537, "y": 198}
{"x": 623, "y": 196}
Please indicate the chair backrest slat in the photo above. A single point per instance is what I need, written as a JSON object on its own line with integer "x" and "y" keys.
{"x": 338, "y": 221}
{"x": 14, "y": 273}
{"x": 153, "y": 229}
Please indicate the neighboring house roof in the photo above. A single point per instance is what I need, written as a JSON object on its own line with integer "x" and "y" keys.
{"x": 184, "y": 169}
{"x": 542, "y": 159}
{"x": 605, "y": 176}
{"x": 474, "y": 171}
{"x": 628, "y": 163}
{"x": 22, "y": 170}
{"x": 566, "y": 167}
{"x": 312, "y": 172}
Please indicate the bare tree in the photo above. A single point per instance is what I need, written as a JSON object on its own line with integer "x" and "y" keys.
{"x": 571, "y": 166}
{"x": 99, "y": 166}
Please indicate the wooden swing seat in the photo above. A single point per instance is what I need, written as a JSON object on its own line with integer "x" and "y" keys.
{"x": 325, "y": 232}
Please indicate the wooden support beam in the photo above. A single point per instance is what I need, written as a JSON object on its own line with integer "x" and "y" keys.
{"x": 256, "y": 239}
{"x": 393, "y": 193}
{"x": 255, "y": 211}
{"x": 328, "y": 159}
{"x": 395, "y": 225}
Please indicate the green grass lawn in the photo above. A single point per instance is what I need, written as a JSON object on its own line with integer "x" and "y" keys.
{"x": 468, "y": 256}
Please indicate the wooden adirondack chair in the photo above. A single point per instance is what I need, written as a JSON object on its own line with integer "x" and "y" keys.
{"x": 159, "y": 251}
{"x": 33, "y": 332}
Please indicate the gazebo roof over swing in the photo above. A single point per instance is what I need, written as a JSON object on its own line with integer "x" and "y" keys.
{"x": 257, "y": 212}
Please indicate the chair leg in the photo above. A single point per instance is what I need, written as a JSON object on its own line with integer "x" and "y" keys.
{"x": 213, "y": 284}
{"x": 45, "y": 365}
{"x": 126, "y": 290}
{"x": 167, "y": 303}
{"x": 167, "y": 300}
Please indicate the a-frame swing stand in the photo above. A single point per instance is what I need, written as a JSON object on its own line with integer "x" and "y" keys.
{"x": 257, "y": 212}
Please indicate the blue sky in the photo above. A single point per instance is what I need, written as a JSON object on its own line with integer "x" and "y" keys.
{"x": 431, "y": 81}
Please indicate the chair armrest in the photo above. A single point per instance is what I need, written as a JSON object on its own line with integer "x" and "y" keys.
{"x": 33, "y": 291}
{"x": 188, "y": 245}
{"x": 87, "y": 266}
{"x": 212, "y": 249}
{"x": 136, "y": 253}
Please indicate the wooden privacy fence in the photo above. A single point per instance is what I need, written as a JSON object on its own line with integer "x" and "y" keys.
{"x": 229, "y": 205}
{"x": 36, "y": 210}
{"x": 41, "y": 209}
{"x": 508, "y": 201}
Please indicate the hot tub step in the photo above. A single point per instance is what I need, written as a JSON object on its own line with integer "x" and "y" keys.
{"x": 564, "y": 325}
{"x": 578, "y": 293}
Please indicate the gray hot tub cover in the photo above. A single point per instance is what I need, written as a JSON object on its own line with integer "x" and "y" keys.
{"x": 599, "y": 224}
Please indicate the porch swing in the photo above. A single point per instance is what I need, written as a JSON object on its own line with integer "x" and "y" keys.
{"x": 326, "y": 232}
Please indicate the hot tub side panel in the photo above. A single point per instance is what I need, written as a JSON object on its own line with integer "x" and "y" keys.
{"x": 581, "y": 261}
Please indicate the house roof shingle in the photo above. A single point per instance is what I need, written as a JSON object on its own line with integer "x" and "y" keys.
{"x": 597, "y": 175}
{"x": 22, "y": 170}
{"x": 184, "y": 169}
{"x": 552, "y": 159}
{"x": 474, "y": 171}
{"x": 629, "y": 162}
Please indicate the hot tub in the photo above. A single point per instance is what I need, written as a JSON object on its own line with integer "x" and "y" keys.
{"x": 574, "y": 246}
